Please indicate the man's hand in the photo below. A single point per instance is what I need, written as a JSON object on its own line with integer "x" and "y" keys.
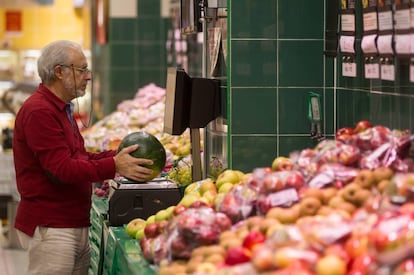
{"x": 130, "y": 167}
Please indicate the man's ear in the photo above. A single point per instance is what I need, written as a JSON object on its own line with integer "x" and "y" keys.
{"x": 58, "y": 72}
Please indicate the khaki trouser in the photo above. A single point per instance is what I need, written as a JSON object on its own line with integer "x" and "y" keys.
{"x": 63, "y": 251}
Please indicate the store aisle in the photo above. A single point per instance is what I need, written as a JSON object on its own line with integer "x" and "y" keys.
{"x": 13, "y": 261}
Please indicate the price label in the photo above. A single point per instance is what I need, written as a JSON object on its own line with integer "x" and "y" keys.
{"x": 388, "y": 72}
{"x": 372, "y": 71}
{"x": 349, "y": 69}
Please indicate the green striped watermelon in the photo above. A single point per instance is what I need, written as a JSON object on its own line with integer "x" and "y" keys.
{"x": 149, "y": 148}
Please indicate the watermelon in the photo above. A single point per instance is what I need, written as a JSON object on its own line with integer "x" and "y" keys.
{"x": 149, "y": 148}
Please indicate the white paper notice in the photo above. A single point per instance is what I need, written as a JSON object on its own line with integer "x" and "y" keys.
{"x": 385, "y": 44}
{"x": 402, "y": 43}
{"x": 372, "y": 71}
{"x": 368, "y": 44}
{"x": 388, "y": 72}
{"x": 346, "y": 44}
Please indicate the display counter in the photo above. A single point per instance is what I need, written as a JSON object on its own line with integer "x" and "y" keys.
{"x": 112, "y": 250}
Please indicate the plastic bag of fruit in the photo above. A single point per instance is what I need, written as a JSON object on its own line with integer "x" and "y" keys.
{"x": 238, "y": 203}
{"x": 265, "y": 181}
{"x": 193, "y": 228}
{"x": 322, "y": 231}
{"x": 333, "y": 174}
{"x": 392, "y": 239}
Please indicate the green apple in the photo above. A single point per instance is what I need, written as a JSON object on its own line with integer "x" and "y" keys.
{"x": 207, "y": 185}
{"x": 151, "y": 219}
{"x": 133, "y": 226}
{"x": 140, "y": 233}
{"x": 210, "y": 195}
{"x": 192, "y": 188}
{"x": 170, "y": 211}
{"x": 231, "y": 176}
{"x": 188, "y": 199}
{"x": 282, "y": 164}
{"x": 225, "y": 187}
{"x": 161, "y": 215}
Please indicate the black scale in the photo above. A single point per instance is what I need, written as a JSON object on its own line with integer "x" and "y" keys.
{"x": 128, "y": 199}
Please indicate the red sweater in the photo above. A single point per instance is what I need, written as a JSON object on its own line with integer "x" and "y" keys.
{"x": 54, "y": 173}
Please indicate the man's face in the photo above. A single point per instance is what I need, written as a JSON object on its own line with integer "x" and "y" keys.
{"x": 76, "y": 76}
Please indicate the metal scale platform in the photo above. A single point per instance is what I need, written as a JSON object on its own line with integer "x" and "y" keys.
{"x": 128, "y": 199}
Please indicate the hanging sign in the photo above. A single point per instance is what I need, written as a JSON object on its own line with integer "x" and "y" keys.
{"x": 347, "y": 38}
{"x": 369, "y": 39}
{"x": 402, "y": 28}
{"x": 13, "y": 22}
{"x": 385, "y": 40}
{"x": 315, "y": 116}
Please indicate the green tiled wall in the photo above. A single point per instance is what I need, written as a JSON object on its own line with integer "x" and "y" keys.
{"x": 276, "y": 53}
{"x": 134, "y": 56}
{"x": 275, "y": 60}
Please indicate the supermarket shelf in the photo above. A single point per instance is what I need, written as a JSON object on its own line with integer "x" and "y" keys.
{"x": 112, "y": 250}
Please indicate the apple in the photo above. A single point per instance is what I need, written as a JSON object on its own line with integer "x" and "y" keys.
{"x": 140, "y": 233}
{"x": 262, "y": 258}
{"x": 192, "y": 188}
{"x": 362, "y": 126}
{"x": 272, "y": 183}
{"x": 152, "y": 230}
{"x": 178, "y": 209}
{"x": 162, "y": 215}
{"x": 237, "y": 255}
{"x": 222, "y": 221}
{"x": 344, "y": 134}
{"x": 361, "y": 264}
{"x": 356, "y": 246}
{"x": 188, "y": 199}
{"x": 209, "y": 196}
{"x": 339, "y": 250}
{"x": 282, "y": 164}
{"x": 330, "y": 265}
{"x": 207, "y": 186}
{"x": 295, "y": 180}
{"x": 231, "y": 176}
{"x": 253, "y": 239}
{"x": 134, "y": 225}
{"x": 405, "y": 266}
{"x": 225, "y": 187}
{"x": 170, "y": 211}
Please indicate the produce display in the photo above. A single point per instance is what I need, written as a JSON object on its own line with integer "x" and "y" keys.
{"x": 145, "y": 112}
{"x": 344, "y": 207}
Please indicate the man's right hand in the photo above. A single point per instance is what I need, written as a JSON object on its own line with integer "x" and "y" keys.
{"x": 130, "y": 167}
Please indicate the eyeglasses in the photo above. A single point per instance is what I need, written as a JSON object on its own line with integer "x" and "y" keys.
{"x": 83, "y": 71}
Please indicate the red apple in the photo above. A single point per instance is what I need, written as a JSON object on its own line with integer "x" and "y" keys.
{"x": 344, "y": 134}
{"x": 272, "y": 183}
{"x": 295, "y": 180}
{"x": 179, "y": 209}
{"x": 152, "y": 230}
{"x": 405, "y": 266}
{"x": 356, "y": 246}
{"x": 222, "y": 221}
{"x": 362, "y": 126}
{"x": 253, "y": 239}
{"x": 361, "y": 264}
{"x": 237, "y": 255}
{"x": 262, "y": 258}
